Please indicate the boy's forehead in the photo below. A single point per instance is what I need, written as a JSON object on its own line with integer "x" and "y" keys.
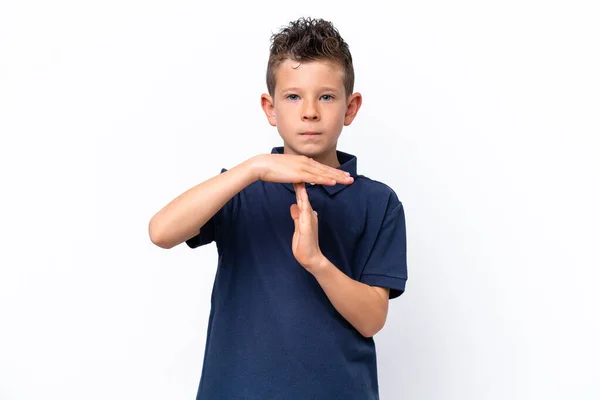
{"x": 292, "y": 73}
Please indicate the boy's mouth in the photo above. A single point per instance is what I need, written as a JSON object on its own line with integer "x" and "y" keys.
{"x": 310, "y": 133}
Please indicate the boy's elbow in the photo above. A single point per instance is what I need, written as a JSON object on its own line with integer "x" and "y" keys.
{"x": 372, "y": 329}
{"x": 378, "y": 317}
{"x": 367, "y": 334}
{"x": 156, "y": 237}
{"x": 162, "y": 245}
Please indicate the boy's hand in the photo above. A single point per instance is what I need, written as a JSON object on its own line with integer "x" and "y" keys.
{"x": 289, "y": 168}
{"x": 305, "y": 242}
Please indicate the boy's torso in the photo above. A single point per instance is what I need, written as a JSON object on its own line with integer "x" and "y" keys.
{"x": 273, "y": 333}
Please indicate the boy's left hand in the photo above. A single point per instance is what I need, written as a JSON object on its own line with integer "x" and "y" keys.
{"x": 305, "y": 242}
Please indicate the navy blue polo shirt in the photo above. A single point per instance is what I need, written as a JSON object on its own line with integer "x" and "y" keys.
{"x": 272, "y": 331}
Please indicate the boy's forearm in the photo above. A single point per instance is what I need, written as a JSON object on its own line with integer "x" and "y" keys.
{"x": 359, "y": 303}
{"x": 184, "y": 216}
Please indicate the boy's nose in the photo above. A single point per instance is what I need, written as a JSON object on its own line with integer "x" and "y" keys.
{"x": 310, "y": 113}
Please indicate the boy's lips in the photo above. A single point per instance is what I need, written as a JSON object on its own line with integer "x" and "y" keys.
{"x": 310, "y": 133}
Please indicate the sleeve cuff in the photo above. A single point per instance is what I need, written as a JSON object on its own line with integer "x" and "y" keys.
{"x": 396, "y": 285}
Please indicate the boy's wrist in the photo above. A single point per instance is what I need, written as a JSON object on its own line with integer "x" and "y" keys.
{"x": 255, "y": 167}
{"x": 319, "y": 266}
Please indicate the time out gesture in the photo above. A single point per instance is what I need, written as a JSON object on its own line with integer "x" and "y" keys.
{"x": 296, "y": 169}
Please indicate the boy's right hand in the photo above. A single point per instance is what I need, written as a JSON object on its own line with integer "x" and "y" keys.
{"x": 289, "y": 168}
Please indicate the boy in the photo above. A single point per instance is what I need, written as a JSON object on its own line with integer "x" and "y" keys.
{"x": 304, "y": 273}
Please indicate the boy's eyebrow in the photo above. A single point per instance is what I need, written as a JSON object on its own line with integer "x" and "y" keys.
{"x": 329, "y": 88}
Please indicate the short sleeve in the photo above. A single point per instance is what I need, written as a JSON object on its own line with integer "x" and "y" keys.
{"x": 386, "y": 265}
{"x": 205, "y": 236}
{"x": 217, "y": 227}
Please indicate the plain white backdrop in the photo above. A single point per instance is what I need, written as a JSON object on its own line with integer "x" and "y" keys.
{"x": 482, "y": 116}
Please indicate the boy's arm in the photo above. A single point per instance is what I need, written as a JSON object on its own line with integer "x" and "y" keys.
{"x": 362, "y": 305}
{"x": 183, "y": 217}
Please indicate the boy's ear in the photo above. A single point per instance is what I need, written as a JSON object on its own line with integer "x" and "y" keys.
{"x": 354, "y": 102}
{"x": 268, "y": 107}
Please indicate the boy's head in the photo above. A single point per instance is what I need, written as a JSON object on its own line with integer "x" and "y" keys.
{"x": 310, "y": 78}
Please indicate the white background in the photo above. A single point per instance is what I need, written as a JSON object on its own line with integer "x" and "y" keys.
{"x": 482, "y": 116}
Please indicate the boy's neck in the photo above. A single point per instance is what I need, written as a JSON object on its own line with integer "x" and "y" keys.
{"x": 330, "y": 158}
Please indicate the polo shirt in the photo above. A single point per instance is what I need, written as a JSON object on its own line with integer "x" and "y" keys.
{"x": 272, "y": 331}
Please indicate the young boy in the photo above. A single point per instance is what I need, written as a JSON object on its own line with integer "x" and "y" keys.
{"x": 304, "y": 273}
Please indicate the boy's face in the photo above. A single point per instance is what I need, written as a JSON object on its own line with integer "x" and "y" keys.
{"x": 309, "y": 97}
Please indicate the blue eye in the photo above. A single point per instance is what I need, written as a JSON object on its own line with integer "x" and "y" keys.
{"x": 289, "y": 96}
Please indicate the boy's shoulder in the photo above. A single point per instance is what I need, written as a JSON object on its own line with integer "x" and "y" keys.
{"x": 377, "y": 189}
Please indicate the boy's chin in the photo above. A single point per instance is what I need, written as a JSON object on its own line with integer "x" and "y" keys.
{"x": 307, "y": 149}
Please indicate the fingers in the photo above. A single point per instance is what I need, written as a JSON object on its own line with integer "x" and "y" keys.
{"x": 306, "y": 206}
{"x": 302, "y": 199}
{"x": 302, "y": 196}
{"x": 302, "y": 212}
{"x": 326, "y": 175}
{"x": 297, "y": 188}
{"x": 318, "y": 179}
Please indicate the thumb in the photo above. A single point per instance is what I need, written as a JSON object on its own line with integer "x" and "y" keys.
{"x": 295, "y": 212}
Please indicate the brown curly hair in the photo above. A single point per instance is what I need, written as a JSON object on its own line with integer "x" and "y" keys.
{"x": 308, "y": 39}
